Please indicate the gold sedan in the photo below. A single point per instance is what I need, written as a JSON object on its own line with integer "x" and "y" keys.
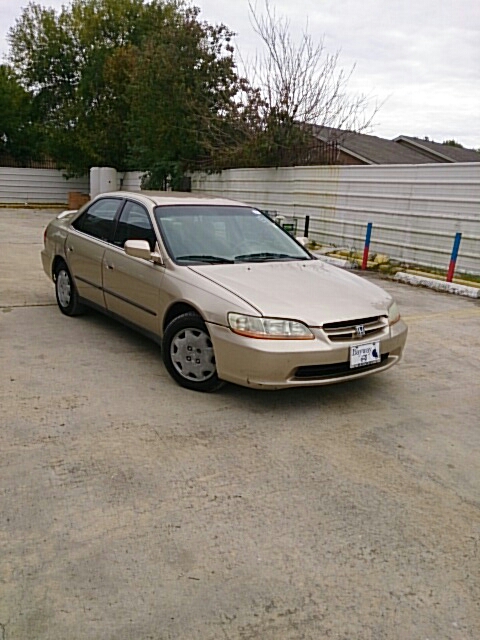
{"x": 228, "y": 294}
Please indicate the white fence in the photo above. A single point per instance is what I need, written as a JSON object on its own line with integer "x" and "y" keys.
{"x": 38, "y": 186}
{"x": 131, "y": 180}
{"x": 415, "y": 209}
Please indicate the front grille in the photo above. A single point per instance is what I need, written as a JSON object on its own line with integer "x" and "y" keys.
{"x": 337, "y": 370}
{"x": 346, "y": 330}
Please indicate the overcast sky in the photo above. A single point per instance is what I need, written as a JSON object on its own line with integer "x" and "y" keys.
{"x": 420, "y": 57}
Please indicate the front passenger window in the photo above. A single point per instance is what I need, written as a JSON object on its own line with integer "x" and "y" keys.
{"x": 134, "y": 224}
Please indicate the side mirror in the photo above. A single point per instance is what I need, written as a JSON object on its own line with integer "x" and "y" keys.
{"x": 138, "y": 249}
{"x": 64, "y": 214}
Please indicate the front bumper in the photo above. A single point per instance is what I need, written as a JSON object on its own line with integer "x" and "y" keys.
{"x": 278, "y": 364}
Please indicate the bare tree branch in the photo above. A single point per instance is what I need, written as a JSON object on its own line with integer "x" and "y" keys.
{"x": 301, "y": 80}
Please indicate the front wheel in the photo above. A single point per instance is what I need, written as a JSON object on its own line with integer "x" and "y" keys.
{"x": 66, "y": 293}
{"x": 187, "y": 352}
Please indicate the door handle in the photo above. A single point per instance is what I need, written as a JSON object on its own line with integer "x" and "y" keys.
{"x": 109, "y": 266}
{"x": 69, "y": 248}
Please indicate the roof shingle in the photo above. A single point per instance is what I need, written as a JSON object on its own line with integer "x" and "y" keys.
{"x": 370, "y": 149}
{"x": 402, "y": 150}
{"x": 451, "y": 154}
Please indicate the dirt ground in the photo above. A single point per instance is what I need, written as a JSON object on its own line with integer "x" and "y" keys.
{"x": 132, "y": 509}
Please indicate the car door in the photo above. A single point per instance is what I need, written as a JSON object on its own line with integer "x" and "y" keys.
{"x": 132, "y": 285}
{"x": 85, "y": 246}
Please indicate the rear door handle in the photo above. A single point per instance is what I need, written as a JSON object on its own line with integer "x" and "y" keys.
{"x": 69, "y": 248}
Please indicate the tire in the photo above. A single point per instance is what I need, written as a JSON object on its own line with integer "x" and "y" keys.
{"x": 187, "y": 352}
{"x": 66, "y": 292}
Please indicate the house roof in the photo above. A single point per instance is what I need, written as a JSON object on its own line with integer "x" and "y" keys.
{"x": 371, "y": 149}
{"x": 444, "y": 152}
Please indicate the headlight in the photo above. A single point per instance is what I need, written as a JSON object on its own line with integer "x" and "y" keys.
{"x": 393, "y": 314}
{"x": 268, "y": 328}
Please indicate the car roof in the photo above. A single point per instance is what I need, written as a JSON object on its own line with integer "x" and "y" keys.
{"x": 165, "y": 198}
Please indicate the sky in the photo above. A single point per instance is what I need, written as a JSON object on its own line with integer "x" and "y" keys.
{"x": 418, "y": 59}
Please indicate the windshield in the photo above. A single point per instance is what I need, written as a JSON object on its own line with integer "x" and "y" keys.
{"x": 209, "y": 234}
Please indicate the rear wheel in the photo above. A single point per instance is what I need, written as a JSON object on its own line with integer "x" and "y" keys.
{"x": 187, "y": 352}
{"x": 66, "y": 293}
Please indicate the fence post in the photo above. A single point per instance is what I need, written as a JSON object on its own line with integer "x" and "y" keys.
{"x": 307, "y": 226}
{"x": 453, "y": 259}
{"x": 367, "y": 245}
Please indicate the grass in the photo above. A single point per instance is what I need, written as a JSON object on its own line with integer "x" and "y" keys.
{"x": 390, "y": 268}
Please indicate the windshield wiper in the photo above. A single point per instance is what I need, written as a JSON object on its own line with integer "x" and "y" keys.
{"x": 205, "y": 258}
{"x": 265, "y": 256}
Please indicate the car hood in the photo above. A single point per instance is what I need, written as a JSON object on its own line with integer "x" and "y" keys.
{"x": 307, "y": 290}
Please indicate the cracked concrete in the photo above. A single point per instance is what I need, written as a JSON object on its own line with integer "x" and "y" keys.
{"x": 133, "y": 509}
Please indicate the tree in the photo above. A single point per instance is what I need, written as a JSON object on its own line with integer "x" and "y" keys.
{"x": 17, "y": 131}
{"x": 300, "y": 84}
{"x": 127, "y": 83}
{"x": 182, "y": 91}
{"x": 70, "y": 61}
{"x": 453, "y": 143}
{"x": 146, "y": 84}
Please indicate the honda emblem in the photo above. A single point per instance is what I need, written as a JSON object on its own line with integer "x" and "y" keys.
{"x": 360, "y": 330}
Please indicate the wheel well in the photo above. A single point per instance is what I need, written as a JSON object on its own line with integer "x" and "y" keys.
{"x": 58, "y": 260}
{"x": 176, "y": 310}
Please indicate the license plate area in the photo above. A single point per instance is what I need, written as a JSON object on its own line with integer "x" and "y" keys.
{"x": 361, "y": 355}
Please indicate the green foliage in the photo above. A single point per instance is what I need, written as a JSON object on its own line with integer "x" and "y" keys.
{"x": 65, "y": 60}
{"x": 140, "y": 84}
{"x": 181, "y": 93}
{"x": 17, "y": 132}
{"x": 127, "y": 84}
{"x": 453, "y": 143}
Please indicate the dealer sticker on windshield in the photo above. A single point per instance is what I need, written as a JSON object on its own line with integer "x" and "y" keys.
{"x": 364, "y": 354}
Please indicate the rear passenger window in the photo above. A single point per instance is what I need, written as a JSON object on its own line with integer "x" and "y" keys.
{"x": 97, "y": 221}
{"x": 134, "y": 224}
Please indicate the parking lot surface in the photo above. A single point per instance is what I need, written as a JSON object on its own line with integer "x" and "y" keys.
{"x": 133, "y": 509}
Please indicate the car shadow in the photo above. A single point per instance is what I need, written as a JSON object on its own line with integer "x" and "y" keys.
{"x": 104, "y": 322}
{"x": 332, "y": 395}
{"x": 361, "y": 391}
